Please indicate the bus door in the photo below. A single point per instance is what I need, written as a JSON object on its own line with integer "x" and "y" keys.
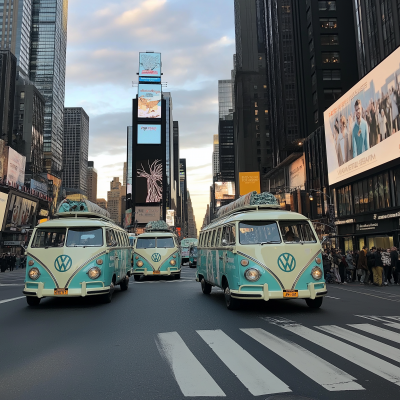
{"x": 113, "y": 253}
{"x": 228, "y": 239}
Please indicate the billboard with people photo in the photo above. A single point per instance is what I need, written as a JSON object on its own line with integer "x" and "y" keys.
{"x": 361, "y": 128}
{"x": 20, "y": 213}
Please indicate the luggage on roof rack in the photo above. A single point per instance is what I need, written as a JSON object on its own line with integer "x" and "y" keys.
{"x": 157, "y": 226}
{"x": 80, "y": 208}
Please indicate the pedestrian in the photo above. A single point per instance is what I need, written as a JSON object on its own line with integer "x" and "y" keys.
{"x": 371, "y": 264}
{"x": 378, "y": 269}
{"x": 342, "y": 267}
{"x": 397, "y": 273}
{"x": 363, "y": 265}
{"x": 351, "y": 268}
{"x": 10, "y": 265}
{"x": 335, "y": 265}
{"x": 3, "y": 263}
{"x": 17, "y": 261}
{"x": 394, "y": 255}
{"x": 326, "y": 262}
{"x": 387, "y": 267}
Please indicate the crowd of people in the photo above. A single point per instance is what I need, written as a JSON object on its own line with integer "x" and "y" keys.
{"x": 11, "y": 262}
{"x": 377, "y": 266}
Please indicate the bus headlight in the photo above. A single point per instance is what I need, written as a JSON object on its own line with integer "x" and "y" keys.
{"x": 31, "y": 262}
{"x": 252, "y": 274}
{"x": 34, "y": 274}
{"x": 94, "y": 273}
{"x": 172, "y": 262}
{"x": 316, "y": 273}
{"x": 139, "y": 264}
{"x": 174, "y": 256}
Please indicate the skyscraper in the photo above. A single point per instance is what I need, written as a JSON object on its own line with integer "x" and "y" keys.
{"x": 47, "y": 71}
{"x": 76, "y": 148}
{"x": 215, "y": 156}
{"x": 92, "y": 182}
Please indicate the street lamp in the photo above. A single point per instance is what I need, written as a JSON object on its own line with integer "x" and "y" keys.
{"x": 311, "y": 197}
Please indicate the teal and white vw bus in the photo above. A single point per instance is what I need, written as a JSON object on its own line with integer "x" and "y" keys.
{"x": 157, "y": 252}
{"x": 81, "y": 252}
{"x": 256, "y": 251}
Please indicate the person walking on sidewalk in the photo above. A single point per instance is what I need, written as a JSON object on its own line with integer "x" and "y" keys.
{"x": 362, "y": 264}
{"x": 350, "y": 265}
{"x": 394, "y": 255}
{"x": 371, "y": 263}
{"x": 378, "y": 269}
{"x": 3, "y": 263}
{"x": 387, "y": 266}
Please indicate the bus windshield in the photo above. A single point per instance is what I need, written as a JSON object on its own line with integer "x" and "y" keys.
{"x": 85, "y": 237}
{"x": 297, "y": 232}
{"x": 166, "y": 242}
{"x": 49, "y": 237}
{"x": 259, "y": 232}
{"x": 146, "y": 243}
{"x": 193, "y": 251}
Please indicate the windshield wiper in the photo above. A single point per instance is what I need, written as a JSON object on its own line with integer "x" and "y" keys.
{"x": 270, "y": 242}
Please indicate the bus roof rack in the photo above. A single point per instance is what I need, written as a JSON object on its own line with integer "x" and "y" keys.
{"x": 83, "y": 208}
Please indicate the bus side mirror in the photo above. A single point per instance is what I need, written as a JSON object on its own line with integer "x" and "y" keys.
{"x": 224, "y": 242}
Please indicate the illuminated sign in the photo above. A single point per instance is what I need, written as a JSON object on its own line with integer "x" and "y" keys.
{"x": 149, "y": 101}
{"x": 249, "y": 182}
{"x": 149, "y": 181}
{"x": 149, "y": 80}
{"x": 361, "y": 128}
{"x": 224, "y": 190}
{"x": 150, "y": 64}
{"x": 145, "y": 215}
{"x": 149, "y": 134}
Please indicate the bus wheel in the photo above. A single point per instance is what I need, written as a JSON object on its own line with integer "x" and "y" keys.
{"x": 231, "y": 303}
{"x": 205, "y": 287}
{"x": 177, "y": 276}
{"x": 124, "y": 284}
{"x": 316, "y": 303}
{"x": 33, "y": 301}
{"x": 106, "y": 298}
{"x": 136, "y": 277}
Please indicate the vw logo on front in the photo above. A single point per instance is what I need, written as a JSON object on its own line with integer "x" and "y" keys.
{"x": 63, "y": 263}
{"x": 286, "y": 262}
{"x": 156, "y": 257}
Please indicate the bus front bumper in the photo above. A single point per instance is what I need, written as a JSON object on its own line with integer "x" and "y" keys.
{"x": 84, "y": 291}
{"x": 169, "y": 271}
{"x": 265, "y": 294}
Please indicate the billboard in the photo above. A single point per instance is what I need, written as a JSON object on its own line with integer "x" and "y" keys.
{"x": 3, "y": 159}
{"x": 149, "y": 80}
{"x": 150, "y": 64}
{"x": 149, "y": 101}
{"x": 297, "y": 173}
{"x": 149, "y": 181}
{"x": 361, "y": 128}
{"x": 54, "y": 186}
{"x": 224, "y": 190}
{"x": 170, "y": 220}
{"x": 147, "y": 214}
{"x": 20, "y": 213}
{"x": 3, "y": 206}
{"x": 16, "y": 167}
{"x": 249, "y": 182}
{"x": 39, "y": 187}
{"x": 149, "y": 134}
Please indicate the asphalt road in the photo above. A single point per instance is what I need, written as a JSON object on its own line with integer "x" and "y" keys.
{"x": 164, "y": 339}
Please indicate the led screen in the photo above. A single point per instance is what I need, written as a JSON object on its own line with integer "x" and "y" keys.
{"x": 361, "y": 128}
{"x": 149, "y": 101}
{"x": 150, "y": 64}
{"x": 224, "y": 190}
{"x": 145, "y": 215}
{"x": 149, "y": 181}
{"x": 149, "y": 134}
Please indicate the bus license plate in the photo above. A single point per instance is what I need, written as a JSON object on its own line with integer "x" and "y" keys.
{"x": 156, "y": 272}
{"x": 290, "y": 294}
{"x": 60, "y": 292}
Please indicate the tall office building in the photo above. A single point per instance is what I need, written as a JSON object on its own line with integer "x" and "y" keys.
{"x": 178, "y": 218}
{"x": 114, "y": 197}
{"x": 377, "y": 29}
{"x": 47, "y": 72}
{"x": 91, "y": 182}
{"x": 215, "y": 156}
{"x": 76, "y": 148}
{"x": 183, "y": 197}
{"x": 226, "y": 130}
{"x": 125, "y": 173}
{"x": 192, "y": 228}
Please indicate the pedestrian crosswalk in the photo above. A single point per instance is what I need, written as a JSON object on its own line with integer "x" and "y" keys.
{"x": 374, "y": 347}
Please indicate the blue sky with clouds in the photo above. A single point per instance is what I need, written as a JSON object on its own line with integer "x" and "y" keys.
{"x": 196, "y": 39}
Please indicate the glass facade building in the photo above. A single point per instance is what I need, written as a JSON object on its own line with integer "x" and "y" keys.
{"x": 47, "y": 72}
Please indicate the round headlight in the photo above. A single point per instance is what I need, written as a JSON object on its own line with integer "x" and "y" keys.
{"x": 172, "y": 262}
{"x": 174, "y": 256}
{"x": 139, "y": 264}
{"x": 34, "y": 273}
{"x": 94, "y": 273}
{"x": 318, "y": 260}
{"x": 31, "y": 262}
{"x": 99, "y": 261}
{"x": 244, "y": 263}
{"x": 316, "y": 273}
{"x": 252, "y": 274}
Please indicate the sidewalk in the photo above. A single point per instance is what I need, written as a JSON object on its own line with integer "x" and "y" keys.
{"x": 12, "y": 277}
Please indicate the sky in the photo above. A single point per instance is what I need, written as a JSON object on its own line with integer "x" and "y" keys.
{"x": 197, "y": 42}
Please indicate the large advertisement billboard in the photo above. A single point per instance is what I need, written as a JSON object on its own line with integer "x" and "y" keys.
{"x": 3, "y": 206}
{"x": 20, "y": 213}
{"x": 224, "y": 190}
{"x": 149, "y": 101}
{"x": 144, "y": 215}
{"x": 149, "y": 134}
{"x": 54, "y": 188}
{"x": 16, "y": 167}
{"x": 150, "y": 64}
{"x": 297, "y": 173}
{"x": 149, "y": 181}
{"x": 361, "y": 128}
{"x": 249, "y": 182}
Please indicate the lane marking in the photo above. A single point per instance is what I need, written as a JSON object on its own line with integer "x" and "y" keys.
{"x": 15, "y": 298}
{"x": 190, "y": 375}
{"x": 11, "y": 284}
{"x": 331, "y": 297}
{"x": 359, "y": 357}
{"x": 317, "y": 369}
{"x": 375, "y": 330}
{"x": 257, "y": 379}
{"x": 367, "y": 294}
{"x": 393, "y": 325}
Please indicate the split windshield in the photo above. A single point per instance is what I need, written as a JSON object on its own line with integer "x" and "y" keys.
{"x": 49, "y": 237}
{"x": 85, "y": 237}
{"x": 296, "y": 232}
{"x": 151, "y": 243}
{"x": 259, "y": 232}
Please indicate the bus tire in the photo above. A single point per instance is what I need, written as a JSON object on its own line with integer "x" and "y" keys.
{"x": 316, "y": 303}
{"x": 231, "y": 303}
{"x": 205, "y": 287}
{"x": 124, "y": 284}
{"x": 136, "y": 277}
{"x": 33, "y": 301}
{"x": 177, "y": 276}
{"x": 106, "y": 298}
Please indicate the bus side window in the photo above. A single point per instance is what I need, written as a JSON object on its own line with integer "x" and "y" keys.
{"x": 229, "y": 234}
{"x": 213, "y": 238}
{"x": 206, "y": 239}
{"x": 209, "y": 239}
{"x": 218, "y": 238}
{"x": 126, "y": 240}
{"x": 117, "y": 237}
{"x": 110, "y": 238}
{"x": 200, "y": 238}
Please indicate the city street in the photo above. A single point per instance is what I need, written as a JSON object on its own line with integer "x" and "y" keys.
{"x": 164, "y": 339}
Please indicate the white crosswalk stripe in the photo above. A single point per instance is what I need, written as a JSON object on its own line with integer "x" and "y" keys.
{"x": 393, "y": 325}
{"x": 376, "y": 330}
{"x": 258, "y": 380}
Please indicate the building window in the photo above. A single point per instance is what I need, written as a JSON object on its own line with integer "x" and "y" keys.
{"x": 332, "y": 94}
{"x": 256, "y": 120}
{"x": 316, "y": 117}
{"x": 266, "y": 112}
{"x": 265, "y": 86}
{"x": 315, "y": 98}
{"x": 255, "y": 112}
{"x": 330, "y": 58}
{"x": 22, "y": 95}
{"x": 328, "y": 23}
{"x": 331, "y": 75}
{"x": 311, "y": 46}
{"x": 255, "y": 87}
{"x": 312, "y": 62}
{"x": 314, "y": 79}
{"x": 327, "y": 5}
{"x": 329, "y": 40}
